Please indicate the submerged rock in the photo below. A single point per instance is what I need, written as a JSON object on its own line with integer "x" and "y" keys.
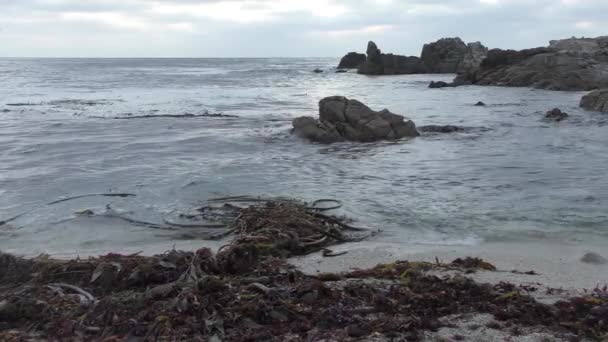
{"x": 594, "y": 258}
{"x": 341, "y": 71}
{"x": 440, "y": 84}
{"x": 440, "y": 129}
{"x": 341, "y": 119}
{"x": 352, "y": 60}
{"x": 556, "y": 114}
{"x": 596, "y": 100}
{"x": 317, "y": 71}
{"x": 571, "y": 64}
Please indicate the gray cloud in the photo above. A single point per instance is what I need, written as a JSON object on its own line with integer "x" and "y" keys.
{"x": 282, "y": 28}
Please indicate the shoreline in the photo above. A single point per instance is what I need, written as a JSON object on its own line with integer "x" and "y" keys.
{"x": 557, "y": 265}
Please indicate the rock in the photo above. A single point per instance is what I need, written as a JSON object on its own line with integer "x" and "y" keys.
{"x": 573, "y": 64}
{"x": 440, "y": 129}
{"x": 475, "y": 54}
{"x": 585, "y": 45}
{"x": 594, "y": 258}
{"x": 352, "y": 60}
{"x": 440, "y": 84}
{"x": 341, "y": 71}
{"x": 341, "y": 119}
{"x": 444, "y": 56}
{"x": 596, "y": 100}
{"x": 447, "y": 55}
{"x": 317, "y": 71}
{"x": 309, "y": 128}
{"x": 378, "y": 63}
{"x": 480, "y": 104}
{"x": 374, "y": 64}
{"x": 556, "y": 114}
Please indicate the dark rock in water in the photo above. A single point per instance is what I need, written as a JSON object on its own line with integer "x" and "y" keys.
{"x": 317, "y": 71}
{"x": 341, "y": 119}
{"x": 596, "y": 100}
{"x": 444, "y": 56}
{"x": 374, "y": 64}
{"x": 594, "y": 258}
{"x": 352, "y": 60}
{"x": 341, "y": 71}
{"x": 378, "y": 63}
{"x": 5, "y": 110}
{"x": 440, "y": 129}
{"x": 570, "y": 64}
{"x": 473, "y": 57}
{"x": 480, "y": 104}
{"x": 309, "y": 128}
{"x": 556, "y": 114}
{"x": 440, "y": 84}
{"x": 447, "y": 55}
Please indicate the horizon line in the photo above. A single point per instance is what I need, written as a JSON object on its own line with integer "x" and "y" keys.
{"x": 135, "y": 57}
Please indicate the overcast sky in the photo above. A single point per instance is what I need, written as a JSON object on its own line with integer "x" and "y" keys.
{"x": 290, "y": 28}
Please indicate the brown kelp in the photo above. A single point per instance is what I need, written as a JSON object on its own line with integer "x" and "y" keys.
{"x": 248, "y": 292}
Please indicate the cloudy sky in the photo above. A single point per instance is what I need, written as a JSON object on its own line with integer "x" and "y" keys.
{"x": 263, "y": 28}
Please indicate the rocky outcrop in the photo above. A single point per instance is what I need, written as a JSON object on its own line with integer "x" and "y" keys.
{"x": 596, "y": 100}
{"x": 556, "y": 115}
{"x": 374, "y": 64}
{"x": 341, "y": 119}
{"x": 352, "y": 60}
{"x": 473, "y": 57}
{"x": 447, "y": 55}
{"x": 571, "y": 64}
{"x": 378, "y": 63}
{"x": 444, "y": 56}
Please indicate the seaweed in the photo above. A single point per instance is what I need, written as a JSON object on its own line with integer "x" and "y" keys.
{"x": 247, "y": 291}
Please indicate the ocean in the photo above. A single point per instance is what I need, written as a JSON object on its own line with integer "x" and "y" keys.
{"x": 511, "y": 176}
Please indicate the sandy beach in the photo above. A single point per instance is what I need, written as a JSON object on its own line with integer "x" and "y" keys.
{"x": 558, "y": 265}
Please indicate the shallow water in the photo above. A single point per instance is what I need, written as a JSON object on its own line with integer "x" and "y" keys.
{"x": 513, "y": 176}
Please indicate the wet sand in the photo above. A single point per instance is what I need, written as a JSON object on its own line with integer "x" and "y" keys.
{"x": 558, "y": 265}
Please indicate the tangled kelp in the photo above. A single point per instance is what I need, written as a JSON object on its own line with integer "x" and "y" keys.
{"x": 248, "y": 292}
{"x": 191, "y": 296}
{"x": 301, "y": 225}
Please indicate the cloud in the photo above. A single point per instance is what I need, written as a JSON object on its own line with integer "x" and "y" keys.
{"x": 282, "y": 27}
{"x": 371, "y": 30}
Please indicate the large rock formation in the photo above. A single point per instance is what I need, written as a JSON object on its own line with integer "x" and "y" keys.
{"x": 447, "y": 55}
{"x": 596, "y": 100}
{"x": 378, "y": 63}
{"x": 341, "y": 119}
{"x": 444, "y": 56}
{"x": 352, "y": 60}
{"x": 475, "y": 54}
{"x": 570, "y": 64}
